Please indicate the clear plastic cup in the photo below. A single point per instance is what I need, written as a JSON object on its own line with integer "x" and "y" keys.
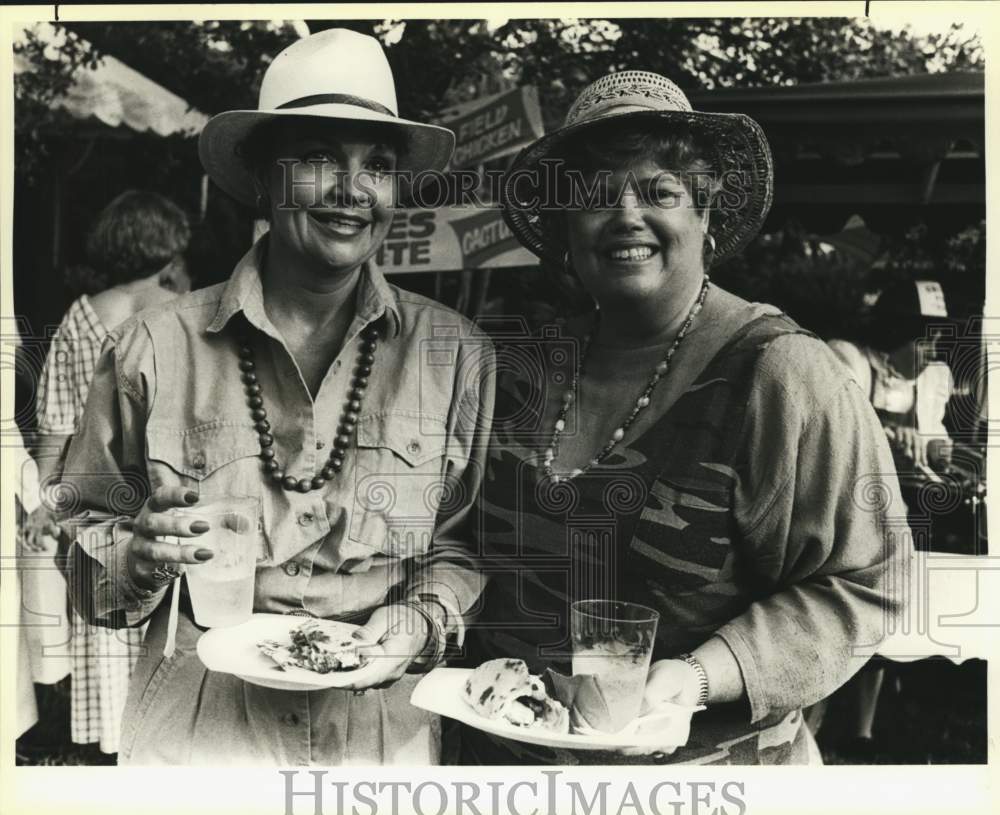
{"x": 221, "y": 589}
{"x": 613, "y": 641}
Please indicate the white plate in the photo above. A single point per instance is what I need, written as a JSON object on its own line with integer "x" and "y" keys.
{"x": 441, "y": 692}
{"x": 234, "y": 651}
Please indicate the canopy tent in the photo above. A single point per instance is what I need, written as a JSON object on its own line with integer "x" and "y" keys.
{"x": 116, "y": 129}
{"x": 115, "y": 95}
{"x": 881, "y": 147}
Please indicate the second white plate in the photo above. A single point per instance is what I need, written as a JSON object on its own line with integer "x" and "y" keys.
{"x": 442, "y": 689}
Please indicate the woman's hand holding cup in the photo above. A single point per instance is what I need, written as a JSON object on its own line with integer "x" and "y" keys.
{"x": 153, "y": 561}
{"x": 671, "y": 680}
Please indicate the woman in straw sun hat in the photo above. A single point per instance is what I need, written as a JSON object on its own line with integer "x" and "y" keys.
{"x": 298, "y": 382}
{"x": 698, "y": 454}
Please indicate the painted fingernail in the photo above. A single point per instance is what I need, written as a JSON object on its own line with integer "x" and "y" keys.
{"x": 191, "y": 497}
{"x": 200, "y": 526}
{"x": 204, "y": 554}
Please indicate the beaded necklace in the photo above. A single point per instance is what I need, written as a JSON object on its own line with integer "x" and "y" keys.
{"x": 550, "y": 452}
{"x": 345, "y": 428}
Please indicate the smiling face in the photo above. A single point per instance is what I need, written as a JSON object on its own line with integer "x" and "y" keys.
{"x": 648, "y": 244}
{"x": 331, "y": 192}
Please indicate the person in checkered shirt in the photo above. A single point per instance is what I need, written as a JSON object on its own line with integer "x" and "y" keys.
{"x": 136, "y": 248}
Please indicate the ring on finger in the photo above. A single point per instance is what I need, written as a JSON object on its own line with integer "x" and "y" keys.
{"x": 164, "y": 573}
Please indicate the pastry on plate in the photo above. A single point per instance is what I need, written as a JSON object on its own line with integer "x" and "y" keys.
{"x": 322, "y": 646}
{"x": 504, "y": 690}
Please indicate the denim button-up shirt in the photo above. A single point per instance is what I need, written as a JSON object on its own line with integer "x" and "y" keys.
{"x": 168, "y": 407}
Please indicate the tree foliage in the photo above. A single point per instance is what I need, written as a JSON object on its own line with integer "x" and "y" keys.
{"x": 562, "y": 56}
{"x": 218, "y": 65}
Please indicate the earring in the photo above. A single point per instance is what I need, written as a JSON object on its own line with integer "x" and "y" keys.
{"x": 708, "y": 251}
{"x": 566, "y": 267}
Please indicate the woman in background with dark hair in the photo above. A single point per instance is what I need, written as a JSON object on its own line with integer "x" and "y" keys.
{"x": 895, "y": 366}
{"x": 136, "y": 246}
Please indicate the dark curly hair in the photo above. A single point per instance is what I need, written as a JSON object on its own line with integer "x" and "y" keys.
{"x": 136, "y": 235}
{"x": 896, "y": 319}
{"x": 674, "y": 148}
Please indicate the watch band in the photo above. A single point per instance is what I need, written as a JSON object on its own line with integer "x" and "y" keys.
{"x": 434, "y": 650}
{"x": 702, "y": 677}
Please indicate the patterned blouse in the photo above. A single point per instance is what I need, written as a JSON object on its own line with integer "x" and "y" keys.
{"x": 760, "y": 506}
{"x": 69, "y": 367}
{"x": 102, "y": 660}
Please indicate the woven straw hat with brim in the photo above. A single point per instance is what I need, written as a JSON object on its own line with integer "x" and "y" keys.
{"x": 337, "y": 74}
{"x": 736, "y": 147}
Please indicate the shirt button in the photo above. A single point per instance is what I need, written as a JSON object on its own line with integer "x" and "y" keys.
{"x": 413, "y": 446}
{"x": 291, "y": 568}
{"x": 320, "y": 444}
{"x": 291, "y": 719}
{"x": 306, "y": 518}
{"x": 198, "y": 461}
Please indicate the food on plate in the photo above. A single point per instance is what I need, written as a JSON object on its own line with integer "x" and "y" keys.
{"x": 317, "y": 645}
{"x": 504, "y": 690}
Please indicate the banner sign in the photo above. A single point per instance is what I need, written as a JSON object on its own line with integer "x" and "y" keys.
{"x": 494, "y": 126}
{"x": 450, "y": 239}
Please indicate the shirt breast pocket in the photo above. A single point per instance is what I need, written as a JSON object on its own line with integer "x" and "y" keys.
{"x": 399, "y": 482}
{"x": 211, "y": 458}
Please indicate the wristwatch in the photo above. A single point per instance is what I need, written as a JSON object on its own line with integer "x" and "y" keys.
{"x": 702, "y": 677}
{"x": 437, "y": 639}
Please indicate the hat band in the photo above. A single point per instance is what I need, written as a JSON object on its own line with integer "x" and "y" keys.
{"x": 337, "y": 99}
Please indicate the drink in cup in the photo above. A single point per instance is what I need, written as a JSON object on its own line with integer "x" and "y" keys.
{"x": 221, "y": 589}
{"x": 613, "y": 641}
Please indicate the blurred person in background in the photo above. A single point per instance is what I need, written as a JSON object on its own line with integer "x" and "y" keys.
{"x": 135, "y": 251}
{"x": 896, "y": 366}
{"x": 40, "y": 646}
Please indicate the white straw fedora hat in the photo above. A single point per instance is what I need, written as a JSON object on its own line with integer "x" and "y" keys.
{"x": 737, "y": 148}
{"x": 333, "y": 74}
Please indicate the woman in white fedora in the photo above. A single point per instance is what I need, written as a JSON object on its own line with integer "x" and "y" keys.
{"x": 705, "y": 458}
{"x": 308, "y": 382}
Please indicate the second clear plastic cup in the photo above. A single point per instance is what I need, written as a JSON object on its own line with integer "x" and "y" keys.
{"x": 613, "y": 641}
{"x": 222, "y": 588}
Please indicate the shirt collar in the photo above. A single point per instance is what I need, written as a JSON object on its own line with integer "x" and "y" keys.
{"x": 244, "y": 292}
